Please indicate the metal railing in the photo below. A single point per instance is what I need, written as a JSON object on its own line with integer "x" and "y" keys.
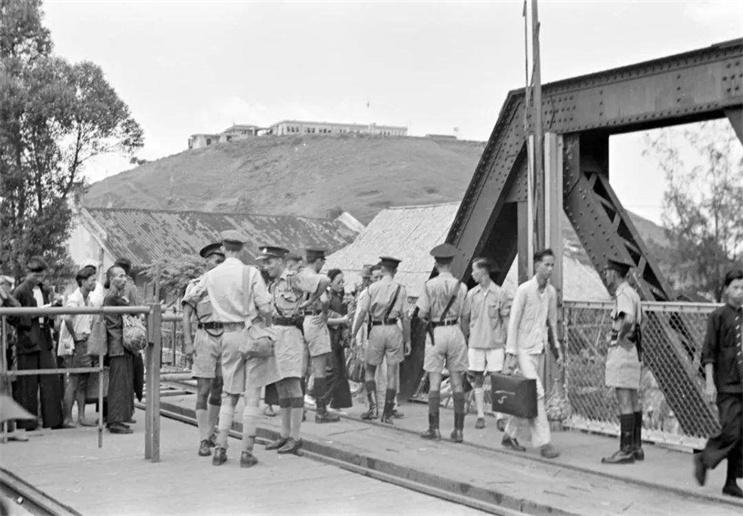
{"x": 152, "y": 363}
{"x": 593, "y": 405}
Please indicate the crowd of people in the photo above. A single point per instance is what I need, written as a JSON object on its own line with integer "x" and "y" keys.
{"x": 280, "y": 330}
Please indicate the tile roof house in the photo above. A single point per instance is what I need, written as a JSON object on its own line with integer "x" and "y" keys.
{"x": 148, "y": 236}
{"x": 409, "y": 233}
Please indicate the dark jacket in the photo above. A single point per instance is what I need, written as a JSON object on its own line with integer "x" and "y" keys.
{"x": 115, "y": 326}
{"x": 32, "y": 335}
{"x": 721, "y": 348}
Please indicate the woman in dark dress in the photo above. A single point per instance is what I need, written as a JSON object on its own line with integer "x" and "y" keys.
{"x": 339, "y": 321}
{"x": 120, "y": 360}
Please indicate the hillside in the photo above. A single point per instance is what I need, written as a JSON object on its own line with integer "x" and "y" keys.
{"x": 297, "y": 175}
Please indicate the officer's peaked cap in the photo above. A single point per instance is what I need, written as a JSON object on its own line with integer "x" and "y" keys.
{"x": 389, "y": 262}
{"x": 314, "y": 254}
{"x": 444, "y": 251}
{"x": 271, "y": 251}
{"x": 232, "y": 236}
{"x": 208, "y": 250}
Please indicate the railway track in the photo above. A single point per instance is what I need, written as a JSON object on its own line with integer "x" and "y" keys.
{"x": 18, "y": 497}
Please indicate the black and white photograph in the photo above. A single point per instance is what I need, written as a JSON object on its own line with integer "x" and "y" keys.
{"x": 371, "y": 257}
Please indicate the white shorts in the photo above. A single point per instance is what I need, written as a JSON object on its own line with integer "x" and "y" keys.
{"x": 490, "y": 360}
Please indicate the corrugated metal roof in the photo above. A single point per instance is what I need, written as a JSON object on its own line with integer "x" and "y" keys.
{"x": 147, "y": 236}
{"x": 409, "y": 233}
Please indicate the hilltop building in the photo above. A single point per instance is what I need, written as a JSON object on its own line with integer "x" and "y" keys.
{"x": 292, "y": 127}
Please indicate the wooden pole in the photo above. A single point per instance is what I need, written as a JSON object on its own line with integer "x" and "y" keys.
{"x": 538, "y": 131}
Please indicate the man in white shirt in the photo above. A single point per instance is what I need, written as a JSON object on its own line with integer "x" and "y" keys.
{"x": 533, "y": 315}
{"x": 73, "y": 346}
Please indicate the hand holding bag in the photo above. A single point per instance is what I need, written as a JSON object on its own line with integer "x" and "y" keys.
{"x": 257, "y": 341}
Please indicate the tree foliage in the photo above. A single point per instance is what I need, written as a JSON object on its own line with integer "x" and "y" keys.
{"x": 174, "y": 274}
{"x": 702, "y": 203}
{"x": 54, "y": 117}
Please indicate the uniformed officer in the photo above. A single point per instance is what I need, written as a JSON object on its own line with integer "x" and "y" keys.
{"x": 441, "y": 304}
{"x": 623, "y": 365}
{"x": 204, "y": 349}
{"x": 485, "y": 321}
{"x": 289, "y": 299}
{"x": 238, "y": 296}
{"x": 387, "y": 304}
{"x": 317, "y": 335}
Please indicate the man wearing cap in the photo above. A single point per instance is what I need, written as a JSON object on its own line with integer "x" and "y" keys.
{"x": 317, "y": 336}
{"x": 441, "y": 304}
{"x": 387, "y": 303}
{"x": 294, "y": 262}
{"x": 205, "y": 350}
{"x": 289, "y": 299}
{"x": 485, "y": 320}
{"x": 623, "y": 365}
{"x": 35, "y": 350}
{"x": 238, "y": 297}
{"x": 533, "y": 317}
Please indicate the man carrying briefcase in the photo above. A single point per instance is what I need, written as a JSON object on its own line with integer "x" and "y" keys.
{"x": 533, "y": 315}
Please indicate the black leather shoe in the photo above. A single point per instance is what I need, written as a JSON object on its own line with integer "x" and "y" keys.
{"x": 512, "y": 443}
{"x": 370, "y": 414}
{"x": 480, "y": 423}
{"x": 387, "y": 419}
{"x": 327, "y": 417}
{"x": 432, "y": 434}
{"x": 278, "y": 443}
{"x": 620, "y": 457}
{"x": 290, "y": 446}
{"x": 732, "y": 490}
{"x": 457, "y": 435}
{"x": 220, "y": 456}
{"x": 700, "y": 470}
{"x": 638, "y": 453}
{"x": 204, "y": 449}
{"x": 247, "y": 460}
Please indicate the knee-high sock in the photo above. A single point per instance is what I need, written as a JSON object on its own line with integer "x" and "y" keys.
{"x": 285, "y": 411}
{"x": 250, "y": 424}
{"x": 480, "y": 401}
{"x": 226, "y": 414}
{"x": 434, "y": 399}
{"x": 202, "y": 421}
{"x": 297, "y": 411}
{"x": 458, "y": 410}
{"x": 212, "y": 412}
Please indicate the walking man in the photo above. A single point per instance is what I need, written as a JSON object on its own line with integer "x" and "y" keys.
{"x": 722, "y": 356}
{"x": 289, "y": 291}
{"x": 534, "y": 313}
{"x": 441, "y": 304}
{"x": 623, "y": 365}
{"x": 238, "y": 297}
{"x": 204, "y": 350}
{"x": 387, "y": 304}
{"x": 317, "y": 336}
{"x": 485, "y": 320}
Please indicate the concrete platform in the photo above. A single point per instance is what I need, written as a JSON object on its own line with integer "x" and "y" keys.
{"x": 67, "y": 465}
{"x": 574, "y": 484}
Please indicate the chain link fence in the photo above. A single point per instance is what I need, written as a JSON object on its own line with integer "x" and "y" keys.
{"x": 674, "y": 409}
{"x": 173, "y": 358}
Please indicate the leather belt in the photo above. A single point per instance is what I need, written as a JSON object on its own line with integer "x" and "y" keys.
{"x": 445, "y": 323}
{"x": 386, "y": 322}
{"x": 284, "y": 321}
{"x": 312, "y": 312}
{"x": 224, "y": 326}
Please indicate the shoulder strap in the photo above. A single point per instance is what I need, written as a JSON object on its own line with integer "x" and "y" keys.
{"x": 392, "y": 303}
{"x": 247, "y": 298}
{"x": 451, "y": 302}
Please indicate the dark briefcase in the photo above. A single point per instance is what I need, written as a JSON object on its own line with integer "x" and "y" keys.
{"x": 514, "y": 395}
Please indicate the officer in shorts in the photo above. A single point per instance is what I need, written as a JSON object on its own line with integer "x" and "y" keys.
{"x": 238, "y": 297}
{"x": 441, "y": 304}
{"x": 485, "y": 321}
{"x": 387, "y": 304}
{"x": 317, "y": 336}
{"x": 288, "y": 292}
{"x": 204, "y": 349}
{"x": 623, "y": 366}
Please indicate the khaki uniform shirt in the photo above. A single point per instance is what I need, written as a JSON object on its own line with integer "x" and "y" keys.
{"x": 436, "y": 295}
{"x": 202, "y": 312}
{"x": 290, "y": 290}
{"x": 380, "y": 296}
{"x": 487, "y": 310}
{"x": 224, "y": 286}
{"x": 627, "y": 302}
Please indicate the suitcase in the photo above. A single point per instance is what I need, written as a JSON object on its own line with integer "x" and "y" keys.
{"x": 514, "y": 395}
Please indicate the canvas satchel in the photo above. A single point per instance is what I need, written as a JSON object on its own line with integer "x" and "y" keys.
{"x": 98, "y": 339}
{"x": 257, "y": 341}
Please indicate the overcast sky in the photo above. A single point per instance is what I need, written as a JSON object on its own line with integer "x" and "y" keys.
{"x": 198, "y": 66}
